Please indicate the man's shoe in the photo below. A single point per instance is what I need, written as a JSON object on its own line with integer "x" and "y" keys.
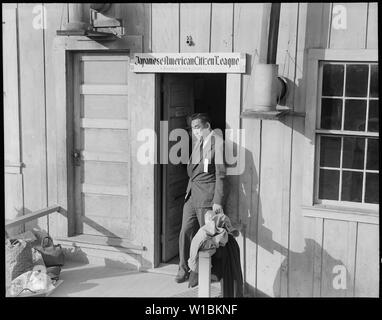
{"x": 182, "y": 276}
{"x": 193, "y": 279}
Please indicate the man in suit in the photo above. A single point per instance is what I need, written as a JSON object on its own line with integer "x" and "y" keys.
{"x": 205, "y": 190}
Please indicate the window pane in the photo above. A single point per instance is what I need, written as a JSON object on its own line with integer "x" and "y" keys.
{"x": 329, "y": 184}
{"x": 373, "y": 123}
{"x": 372, "y": 188}
{"x": 356, "y": 80}
{"x": 372, "y": 154}
{"x": 374, "y": 81}
{"x": 331, "y": 114}
{"x": 354, "y": 153}
{"x": 355, "y": 115}
{"x": 333, "y": 80}
{"x": 351, "y": 186}
{"x": 330, "y": 151}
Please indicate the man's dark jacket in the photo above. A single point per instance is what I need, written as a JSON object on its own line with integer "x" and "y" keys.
{"x": 207, "y": 188}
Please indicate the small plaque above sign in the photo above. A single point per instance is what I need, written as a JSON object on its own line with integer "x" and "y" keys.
{"x": 189, "y": 62}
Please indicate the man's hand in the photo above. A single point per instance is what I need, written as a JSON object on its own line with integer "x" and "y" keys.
{"x": 217, "y": 208}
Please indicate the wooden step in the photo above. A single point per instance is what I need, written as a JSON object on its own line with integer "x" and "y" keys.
{"x": 99, "y": 250}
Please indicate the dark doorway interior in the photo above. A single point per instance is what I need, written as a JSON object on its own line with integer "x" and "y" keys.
{"x": 182, "y": 95}
{"x": 210, "y": 97}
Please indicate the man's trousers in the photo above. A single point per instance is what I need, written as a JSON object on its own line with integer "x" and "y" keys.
{"x": 193, "y": 219}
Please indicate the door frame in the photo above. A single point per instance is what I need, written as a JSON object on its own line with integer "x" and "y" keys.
{"x": 64, "y": 224}
{"x": 233, "y": 121}
{"x": 158, "y": 174}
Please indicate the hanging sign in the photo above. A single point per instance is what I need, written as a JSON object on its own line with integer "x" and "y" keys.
{"x": 189, "y": 62}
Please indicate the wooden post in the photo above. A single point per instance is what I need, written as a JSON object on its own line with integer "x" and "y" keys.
{"x": 273, "y": 33}
{"x": 204, "y": 275}
{"x": 75, "y": 12}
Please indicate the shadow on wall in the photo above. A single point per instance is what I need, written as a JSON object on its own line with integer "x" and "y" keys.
{"x": 246, "y": 211}
{"x": 249, "y": 209}
{"x": 19, "y": 229}
{"x": 31, "y": 225}
{"x": 334, "y": 281}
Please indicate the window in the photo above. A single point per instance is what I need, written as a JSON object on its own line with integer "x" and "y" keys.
{"x": 347, "y": 138}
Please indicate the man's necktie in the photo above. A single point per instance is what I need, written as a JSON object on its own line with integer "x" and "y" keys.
{"x": 197, "y": 154}
{"x": 201, "y": 149}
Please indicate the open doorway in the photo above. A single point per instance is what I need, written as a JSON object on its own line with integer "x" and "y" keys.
{"x": 181, "y": 96}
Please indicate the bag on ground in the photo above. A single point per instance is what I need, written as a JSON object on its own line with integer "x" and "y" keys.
{"x": 52, "y": 254}
{"x": 19, "y": 258}
{"x": 30, "y": 282}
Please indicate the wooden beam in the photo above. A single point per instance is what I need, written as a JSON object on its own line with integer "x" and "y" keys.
{"x": 91, "y": 241}
{"x": 355, "y": 215}
{"x": 32, "y": 216}
{"x": 273, "y": 32}
{"x": 103, "y": 89}
{"x": 103, "y": 189}
{"x": 104, "y": 123}
{"x": 105, "y": 156}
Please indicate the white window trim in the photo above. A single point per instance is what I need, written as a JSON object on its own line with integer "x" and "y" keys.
{"x": 338, "y": 211}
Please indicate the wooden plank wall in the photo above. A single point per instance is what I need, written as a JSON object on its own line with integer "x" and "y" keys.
{"x": 302, "y": 235}
{"x": 13, "y": 178}
{"x": 30, "y": 106}
{"x": 317, "y": 245}
{"x": 250, "y": 16}
{"x": 32, "y": 109}
{"x": 282, "y": 252}
{"x": 55, "y": 16}
{"x": 278, "y": 136}
{"x": 360, "y": 241}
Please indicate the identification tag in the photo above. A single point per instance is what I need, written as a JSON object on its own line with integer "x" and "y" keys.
{"x": 205, "y": 165}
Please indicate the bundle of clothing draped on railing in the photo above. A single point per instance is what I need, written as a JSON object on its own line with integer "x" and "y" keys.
{"x": 218, "y": 234}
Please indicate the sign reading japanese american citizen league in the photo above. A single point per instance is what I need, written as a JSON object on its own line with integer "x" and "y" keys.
{"x": 213, "y": 62}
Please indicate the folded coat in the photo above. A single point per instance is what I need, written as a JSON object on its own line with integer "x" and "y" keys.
{"x": 226, "y": 267}
{"x": 212, "y": 235}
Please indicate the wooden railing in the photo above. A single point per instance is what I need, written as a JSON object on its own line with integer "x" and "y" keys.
{"x": 204, "y": 273}
{"x": 204, "y": 276}
{"x": 32, "y": 216}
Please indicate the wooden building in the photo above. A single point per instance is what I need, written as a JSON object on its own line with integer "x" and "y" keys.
{"x": 73, "y": 109}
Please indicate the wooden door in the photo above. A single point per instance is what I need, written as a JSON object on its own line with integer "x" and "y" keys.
{"x": 178, "y": 104}
{"x": 101, "y": 154}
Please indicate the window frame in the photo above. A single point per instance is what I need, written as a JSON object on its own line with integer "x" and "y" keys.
{"x": 352, "y": 211}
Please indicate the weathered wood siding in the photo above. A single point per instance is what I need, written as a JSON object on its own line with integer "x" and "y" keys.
{"x": 34, "y": 161}
{"x": 13, "y": 179}
{"x": 317, "y": 245}
{"x": 283, "y": 253}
